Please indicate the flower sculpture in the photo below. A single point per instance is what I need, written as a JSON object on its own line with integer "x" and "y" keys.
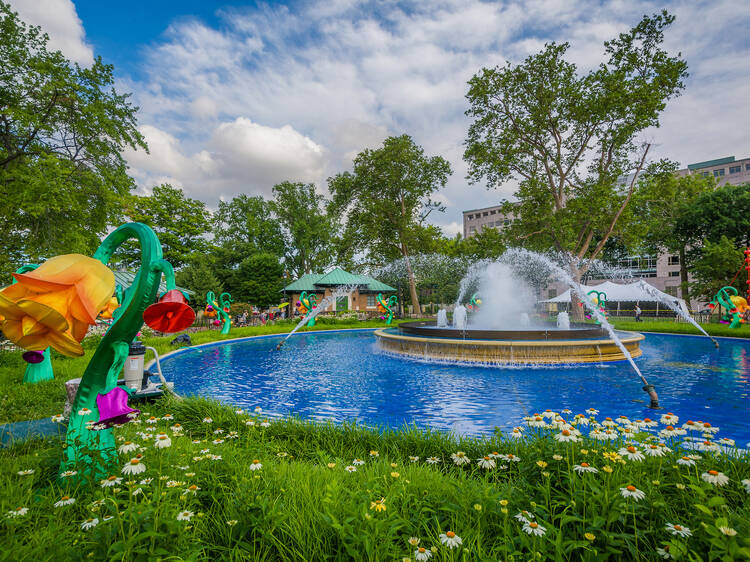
{"x": 54, "y": 304}
{"x": 171, "y": 314}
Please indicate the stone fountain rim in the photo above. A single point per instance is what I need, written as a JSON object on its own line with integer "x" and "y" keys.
{"x": 583, "y": 332}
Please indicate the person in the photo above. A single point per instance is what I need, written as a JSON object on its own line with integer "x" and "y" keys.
{"x": 637, "y": 313}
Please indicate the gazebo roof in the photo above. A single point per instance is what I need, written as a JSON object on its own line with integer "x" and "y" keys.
{"x": 336, "y": 278}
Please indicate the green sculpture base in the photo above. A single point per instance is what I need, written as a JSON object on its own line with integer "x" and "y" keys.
{"x": 39, "y": 372}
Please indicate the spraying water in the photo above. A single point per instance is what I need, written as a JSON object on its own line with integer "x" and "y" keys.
{"x": 442, "y": 318}
{"x": 459, "y": 317}
{"x": 324, "y": 304}
{"x": 525, "y": 257}
{"x": 470, "y": 280}
{"x": 563, "y": 321}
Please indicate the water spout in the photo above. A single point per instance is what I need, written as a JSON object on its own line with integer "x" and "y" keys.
{"x": 459, "y": 317}
{"x": 442, "y": 318}
{"x": 563, "y": 321}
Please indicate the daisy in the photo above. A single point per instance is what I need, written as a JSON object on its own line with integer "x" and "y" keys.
{"x": 413, "y": 459}
{"x": 217, "y": 441}
{"x": 432, "y": 460}
{"x": 265, "y": 423}
{"x": 214, "y": 457}
{"x": 517, "y": 433}
{"x": 65, "y": 500}
{"x": 622, "y": 420}
{"x": 192, "y": 489}
{"x": 351, "y": 468}
{"x": 459, "y": 458}
{"x": 422, "y": 554}
{"x": 378, "y": 505}
{"x": 608, "y": 422}
{"x": 534, "y": 528}
{"x": 358, "y": 462}
{"x": 557, "y": 457}
{"x": 664, "y": 552}
{"x": 486, "y": 462}
{"x": 258, "y": 409}
{"x": 655, "y": 451}
{"x": 669, "y": 419}
{"x": 84, "y": 412}
{"x": 127, "y": 447}
{"x": 671, "y": 431}
{"x": 184, "y": 515}
{"x": 152, "y": 420}
{"x": 18, "y": 512}
{"x": 232, "y": 522}
{"x": 255, "y": 465}
{"x": 414, "y": 541}
{"x": 135, "y": 466}
{"x": 584, "y": 467}
{"x": 549, "y": 414}
{"x": 678, "y": 530}
{"x": 233, "y": 435}
{"x": 708, "y": 446}
{"x": 566, "y": 411}
{"x": 726, "y": 441}
{"x": 512, "y": 458}
{"x": 746, "y": 484}
{"x": 537, "y": 421}
{"x": 374, "y": 454}
{"x": 174, "y": 484}
{"x": 58, "y": 418}
{"x": 566, "y": 435}
{"x": 331, "y": 465}
{"x": 631, "y": 453}
{"x": 728, "y": 531}
{"x": 495, "y": 455}
{"x": 580, "y": 419}
{"x": 89, "y": 523}
{"x": 146, "y": 481}
{"x": 138, "y": 491}
{"x": 524, "y": 516}
{"x": 686, "y": 461}
{"x": 714, "y": 477}
{"x": 648, "y": 422}
{"x": 162, "y": 441}
{"x": 592, "y": 412}
{"x": 26, "y": 472}
{"x": 250, "y": 423}
{"x": 176, "y": 428}
{"x": 110, "y": 481}
{"x": 690, "y": 425}
{"x": 207, "y": 420}
{"x": 167, "y": 417}
{"x": 708, "y": 428}
{"x": 632, "y": 492}
{"x": 450, "y": 539}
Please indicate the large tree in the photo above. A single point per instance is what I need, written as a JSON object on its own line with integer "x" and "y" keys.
{"x": 570, "y": 138}
{"x": 259, "y": 280}
{"x": 62, "y": 132}
{"x": 181, "y": 223}
{"x": 246, "y": 225}
{"x": 384, "y": 202}
{"x": 721, "y": 212}
{"x": 198, "y": 276}
{"x": 308, "y": 230}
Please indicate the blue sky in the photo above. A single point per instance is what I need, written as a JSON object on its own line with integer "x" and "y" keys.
{"x": 236, "y": 96}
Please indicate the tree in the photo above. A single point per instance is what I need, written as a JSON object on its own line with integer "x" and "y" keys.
{"x": 717, "y": 266}
{"x": 722, "y": 212}
{"x": 245, "y": 225}
{"x": 487, "y": 243}
{"x": 62, "y": 132}
{"x": 307, "y": 228}
{"x": 571, "y": 139}
{"x": 384, "y": 202}
{"x": 181, "y": 223}
{"x": 661, "y": 200}
{"x": 198, "y": 276}
{"x": 258, "y": 279}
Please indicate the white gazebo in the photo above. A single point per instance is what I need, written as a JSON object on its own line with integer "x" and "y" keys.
{"x": 639, "y": 291}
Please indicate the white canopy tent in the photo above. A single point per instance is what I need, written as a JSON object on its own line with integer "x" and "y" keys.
{"x": 639, "y": 291}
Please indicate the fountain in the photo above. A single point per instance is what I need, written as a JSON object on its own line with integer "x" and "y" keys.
{"x": 442, "y": 318}
{"x": 459, "y": 317}
{"x": 563, "y": 321}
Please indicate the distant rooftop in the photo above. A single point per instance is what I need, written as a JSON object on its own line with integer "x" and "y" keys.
{"x": 337, "y": 277}
{"x": 709, "y": 163}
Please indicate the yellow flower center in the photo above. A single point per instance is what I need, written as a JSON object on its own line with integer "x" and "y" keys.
{"x": 256, "y": 461}
{"x": 135, "y": 461}
{"x": 65, "y": 498}
{"x": 566, "y": 432}
{"x": 585, "y": 464}
{"x": 486, "y": 458}
{"x": 631, "y": 488}
{"x": 677, "y": 528}
{"x": 713, "y": 472}
{"x": 607, "y": 419}
{"x": 647, "y": 420}
{"x": 533, "y": 525}
{"x": 111, "y": 478}
{"x": 421, "y": 549}
{"x": 631, "y": 449}
{"x": 450, "y": 534}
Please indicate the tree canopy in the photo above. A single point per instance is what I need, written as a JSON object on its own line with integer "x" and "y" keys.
{"x": 384, "y": 201}
{"x": 570, "y": 139}
{"x": 62, "y": 132}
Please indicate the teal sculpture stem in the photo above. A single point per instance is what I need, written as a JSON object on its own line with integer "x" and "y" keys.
{"x": 225, "y": 300}
{"x": 723, "y": 298}
{"x": 37, "y": 372}
{"x": 388, "y": 305}
{"x": 93, "y": 452}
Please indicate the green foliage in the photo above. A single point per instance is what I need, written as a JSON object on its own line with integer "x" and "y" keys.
{"x": 384, "y": 202}
{"x": 180, "y": 222}
{"x": 199, "y": 277}
{"x": 308, "y": 230}
{"x": 259, "y": 280}
{"x": 569, "y": 138}
{"x": 62, "y": 175}
{"x": 718, "y": 263}
{"x": 723, "y": 212}
{"x": 246, "y": 225}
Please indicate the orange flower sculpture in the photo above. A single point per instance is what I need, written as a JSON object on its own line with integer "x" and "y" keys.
{"x": 108, "y": 311}
{"x": 53, "y": 305}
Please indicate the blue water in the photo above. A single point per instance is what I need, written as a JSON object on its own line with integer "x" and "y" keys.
{"x": 343, "y": 376}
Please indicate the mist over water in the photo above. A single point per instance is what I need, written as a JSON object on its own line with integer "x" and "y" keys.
{"x": 506, "y": 298}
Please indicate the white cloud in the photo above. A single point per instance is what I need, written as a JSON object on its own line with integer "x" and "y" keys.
{"x": 275, "y": 93}
{"x": 59, "y": 19}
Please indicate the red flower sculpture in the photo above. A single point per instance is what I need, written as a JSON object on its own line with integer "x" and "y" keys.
{"x": 171, "y": 314}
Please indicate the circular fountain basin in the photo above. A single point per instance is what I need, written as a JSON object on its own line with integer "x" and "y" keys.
{"x": 582, "y": 343}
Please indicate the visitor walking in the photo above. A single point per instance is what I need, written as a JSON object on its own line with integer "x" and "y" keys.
{"x": 637, "y": 313}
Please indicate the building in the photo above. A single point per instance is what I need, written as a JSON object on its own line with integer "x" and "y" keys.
{"x": 725, "y": 170}
{"x": 322, "y": 285}
{"x": 489, "y": 217}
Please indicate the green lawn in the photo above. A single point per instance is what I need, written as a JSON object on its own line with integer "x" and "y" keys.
{"x": 672, "y": 327}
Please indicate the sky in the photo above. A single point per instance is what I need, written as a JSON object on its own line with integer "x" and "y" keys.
{"x": 237, "y": 96}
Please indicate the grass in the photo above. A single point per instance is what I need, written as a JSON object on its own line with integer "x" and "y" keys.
{"x": 302, "y": 503}
{"x": 33, "y": 401}
{"x": 672, "y": 327}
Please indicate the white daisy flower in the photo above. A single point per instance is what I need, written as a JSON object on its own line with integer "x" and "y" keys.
{"x": 517, "y": 433}
{"x": 622, "y": 420}
{"x": 84, "y": 412}
{"x": 726, "y": 441}
{"x": 174, "y": 484}
{"x": 58, "y": 418}
{"x": 135, "y": 466}
{"x": 486, "y": 463}
{"x": 580, "y": 419}
{"x": 549, "y": 414}
{"x": 152, "y": 420}
{"x": 648, "y": 422}
{"x": 167, "y": 417}
{"x": 192, "y": 489}
{"x": 510, "y": 457}
{"x": 669, "y": 419}
{"x": 146, "y": 481}
{"x": 413, "y": 459}
{"x": 523, "y": 516}
{"x": 258, "y": 409}
{"x": 176, "y": 428}
{"x": 686, "y": 461}
{"x": 127, "y": 447}
{"x": 422, "y": 553}
{"x": 592, "y": 412}
{"x": 566, "y": 411}
{"x": 714, "y": 477}
{"x": 459, "y": 458}
{"x": 217, "y": 441}
{"x": 566, "y": 436}
{"x": 265, "y": 423}
{"x": 632, "y": 492}
{"x": 18, "y": 512}
{"x": 708, "y": 428}
{"x": 65, "y": 500}
{"x": 89, "y": 523}
{"x": 185, "y": 515}
{"x": 351, "y": 468}
{"x": 358, "y": 462}
{"x": 746, "y": 484}
{"x": 110, "y": 482}
{"x": 255, "y": 465}
{"x": 207, "y": 420}
{"x": 728, "y": 531}
{"x": 631, "y": 453}
{"x": 133, "y": 415}
{"x": 414, "y": 541}
{"x": 537, "y": 421}
{"x": 608, "y": 422}
{"x": 432, "y": 460}
{"x": 218, "y": 431}
{"x": 584, "y": 467}
{"x": 708, "y": 446}
{"x": 26, "y": 472}
{"x": 655, "y": 450}
{"x": 534, "y": 528}
{"x": 678, "y": 530}
{"x": 138, "y": 491}
{"x": 450, "y": 539}
{"x": 250, "y": 423}
{"x": 664, "y": 552}
{"x": 239, "y": 411}
{"x": 214, "y": 457}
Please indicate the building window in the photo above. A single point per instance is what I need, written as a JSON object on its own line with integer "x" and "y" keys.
{"x": 674, "y": 260}
{"x": 469, "y": 217}
{"x": 493, "y": 212}
{"x": 672, "y": 291}
{"x": 552, "y": 293}
{"x": 506, "y": 222}
{"x": 674, "y": 273}
{"x": 719, "y": 173}
{"x": 704, "y": 174}
{"x": 747, "y": 167}
{"x": 485, "y": 214}
{"x": 370, "y": 301}
{"x": 735, "y": 169}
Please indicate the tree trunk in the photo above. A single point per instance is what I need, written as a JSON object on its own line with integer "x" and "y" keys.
{"x": 577, "y": 310}
{"x": 412, "y": 282}
{"x": 684, "y": 289}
